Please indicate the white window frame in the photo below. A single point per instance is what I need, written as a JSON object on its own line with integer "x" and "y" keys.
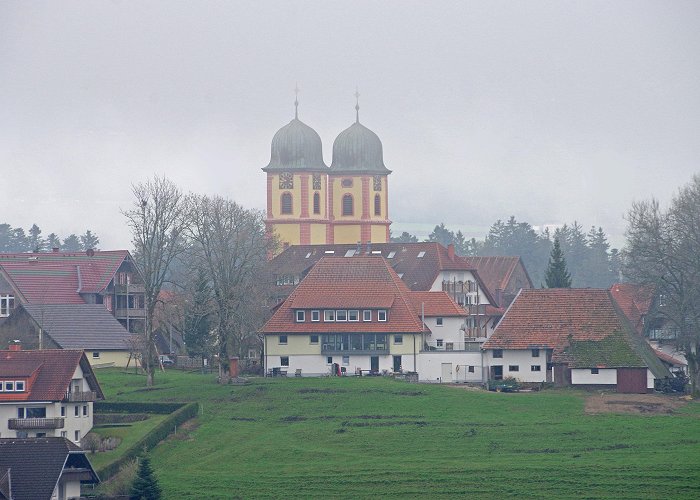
{"x": 514, "y": 368}
{"x": 9, "y": 385}
{"x": 300, "y": 315}
{"x": 281, "y": 361}
{"x": 329, "y": 315}
{"x": 353, "y": 313}
{"x": 283, "y": 342}
{"x": 438, "y": 321}
{"x": 311, "y": 339}
{"x": 341, "y": 315}
{"x": 95, "y": 354}
{"x": 346, "y": 360}
{"x": 398, "y": 339}
{"x": 317, "y": 315}
{"x": 367, "y": 315}
{"x": 7, "y": 304}
{"x": 535, "y": 368}
{"x": 19, "y": 386}
{"x": 382, "y": 313}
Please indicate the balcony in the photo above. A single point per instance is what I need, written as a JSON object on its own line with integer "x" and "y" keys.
{"x": 35, "y": 423}
{"x": 123, "y": 313}
{"x": 134, "y": 288}
{"x": 80, "y": 396}
{"x": 433, "y": 345}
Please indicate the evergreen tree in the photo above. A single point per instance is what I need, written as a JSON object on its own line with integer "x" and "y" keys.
{"x": 35, "y": 241}
{"x": 19, "y": 241}
{"x": 5, "y": 238}
{"x": 72, "y": 244}
{"x": 145, "y": 486}
{"x": 89, "y": 240}
{"x": 405, "y": 237}
{"x": 557, "y": 275}
{"x": 53, "y": 241}
{"x": 442, "y": 235}
{"x": 198, "y": 320}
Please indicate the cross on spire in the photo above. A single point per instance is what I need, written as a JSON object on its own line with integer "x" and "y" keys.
{"x": 357, "y": 105}
{"x": 296, "y": 101}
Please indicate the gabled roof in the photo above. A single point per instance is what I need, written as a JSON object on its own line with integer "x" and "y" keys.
{"x": 55, "y": 371}
{"x": 496, "y": 271}
{"x": 36, "y": 465}
{"x": 80, "y": 326}
{"x": 436, "y": 304}
{"x": 583, "y": 327}
{"x": 343, "y": 283}
{"x": 60, "y": 277}
{"x": 418, "y": 264}
{"x": 634, "y": 300}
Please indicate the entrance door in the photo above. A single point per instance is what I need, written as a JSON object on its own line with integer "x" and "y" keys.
{"x": 446, "y": 372}
{"x": 374, "y": 364}
{"x": 397, "y": 364}
{"x": 497, "y": 372}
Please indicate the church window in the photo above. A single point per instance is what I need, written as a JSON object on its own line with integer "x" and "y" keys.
{"x": 317, "y": 203}
{"x": 286, "y": 203}
{"x": 286, "y": 180}
{"x": 346, "y": 183}
{"x": 347, "y": 205}
{"x": 377, "y": 205}
{"x": 377, "y": 182}
{"x": 316, "y": 179}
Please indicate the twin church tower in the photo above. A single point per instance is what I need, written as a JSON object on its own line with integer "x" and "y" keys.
{"x": 311, "y": 203}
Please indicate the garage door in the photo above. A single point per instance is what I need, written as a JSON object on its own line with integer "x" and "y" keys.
{"x": 632, "y": 380}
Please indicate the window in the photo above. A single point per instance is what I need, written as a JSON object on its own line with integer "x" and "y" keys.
{"x": 286, "y": 203}
{"x": 398, "y": 339}
{"x": 420, "y": 255}
{"x": 283, "y": 339}
{"x": 439, "y": 342}
{"x": 328, "y": 315}
{"x": 535, "y": 368}
{"x": 19, "y": 385}
{"x": 41, "y": 434}
{"x": 284, "y": 360}
{"x": 354, "y": 315}
{"x": 7, "y": 304}
{"x": 341, "y": 315}
{"x": 301, "y": 316}
{"x": 329, "y": 360}
{"x": 535, "y": 353}
{"x": 381, "y": 315}
{"x": 9, "y": 386}
{"x": 95, "y": 355}
{"x": 315, "y": 315}
{"x": 313, "y": 339}
{"x": 347, "y": 204}
{"x": 85, "y": 410}
{"x": 20, "y": 412}
{"x": 76, "y": 411}
{"x": 498, "y": 353}
{"x": 346, "y": 183}
{"x": 77, "y": 435}
{"x": 377, "y": 205}
{"x": 438, "y": 321}
{"x": 317, "y": 203}
{"x": 63, "y": 411}
{"x": 470, "y": 369}
{"x": 391, "y": 255}
{"x": 32, "y": 412}
{"x": 64, "y": 434}
{"x": 594, "y": 371}
{"x": 366, "y": 315}
{"x": 346, "y": 360}
{"x": 513, "y": 368}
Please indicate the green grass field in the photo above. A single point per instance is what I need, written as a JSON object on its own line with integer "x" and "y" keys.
{"x": 375, "y": 437}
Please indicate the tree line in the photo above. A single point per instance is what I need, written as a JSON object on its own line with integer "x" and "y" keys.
{"x": 591, "y": 262}
{"x": 17, "y": 240}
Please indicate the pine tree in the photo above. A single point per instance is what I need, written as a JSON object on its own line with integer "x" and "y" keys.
{"x": 145, "y": 484}
{"x": 557, "y": 275}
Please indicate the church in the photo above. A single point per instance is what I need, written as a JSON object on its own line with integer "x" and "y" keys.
{"x": 310, "y": 203}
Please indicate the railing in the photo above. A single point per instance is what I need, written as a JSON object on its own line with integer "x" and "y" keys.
{"x": 80, "y": 396}
{"x": 133, "y": 288}
{"x": 123, "y": 312}
{"x": 663, "y": 334}
{"x": 35, "y": 423}
{"x": 325, "y": 349}
{"x": 433, "y": 345}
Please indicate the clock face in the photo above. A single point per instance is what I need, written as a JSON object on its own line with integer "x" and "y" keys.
{"x": 316, "y": 181}
{"x": 286, "y": 180}
{"x": 377, "y": 182}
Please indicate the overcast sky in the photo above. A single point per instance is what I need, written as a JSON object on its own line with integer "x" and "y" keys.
{"x": 549, "y": 111}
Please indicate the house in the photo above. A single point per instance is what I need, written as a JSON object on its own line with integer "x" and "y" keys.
{"x": 110, "y": 278}
{"x": 576, "y": 337}
{"x": 357, "y": 315}
{"x": 426, "y": 266}
{"x": 48, "y": 468}
{"x": 503, "y": 276}
{"x": 47, "y": 393}
{"x": 89, "y": 327}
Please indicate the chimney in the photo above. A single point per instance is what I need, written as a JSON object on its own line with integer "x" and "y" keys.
{"x": 451, "y": 251}
{"x": 15, "y": 345}
{"x": 369, "y": 248}
{"x": 54, "y": 249}
{"x": 358, "y": 251}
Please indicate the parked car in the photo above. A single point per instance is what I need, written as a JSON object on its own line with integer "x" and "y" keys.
{"x": 508, "y": 384}
{"x": 165, "y": 360}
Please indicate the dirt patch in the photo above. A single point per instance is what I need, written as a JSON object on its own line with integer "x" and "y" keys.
{"x": 638, "y": 404}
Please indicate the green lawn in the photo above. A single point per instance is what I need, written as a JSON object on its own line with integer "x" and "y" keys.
{"x": 374, "y": 437}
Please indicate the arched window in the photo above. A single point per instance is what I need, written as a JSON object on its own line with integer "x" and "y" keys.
{"x": 317, "y": 203}
{"x": 286, "y": 203}
{"x": 377, "y": 205}
{"x": 347, "y": 204}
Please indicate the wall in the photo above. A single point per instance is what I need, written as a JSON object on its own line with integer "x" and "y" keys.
{"x": 109, "y": 358}
{"x": 430, "y": 366}
{"x": 583, "y": 376}
{"x": 522, "y": 358}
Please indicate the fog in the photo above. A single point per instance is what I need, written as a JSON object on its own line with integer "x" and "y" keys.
{"x": 549, "y": 111}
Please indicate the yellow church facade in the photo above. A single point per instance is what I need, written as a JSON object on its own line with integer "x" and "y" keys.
{"x": 311, "y": 203}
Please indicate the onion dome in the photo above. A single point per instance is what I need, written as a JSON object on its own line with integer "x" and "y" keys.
{"x": 296, "y": 146}
{"x": 358, "y": 150}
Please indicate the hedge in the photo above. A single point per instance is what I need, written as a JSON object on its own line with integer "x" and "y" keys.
{"x": 136, "y": 407}
{"x": 183, "y": 412}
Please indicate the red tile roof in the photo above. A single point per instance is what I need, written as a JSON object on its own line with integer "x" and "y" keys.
{"x": 55, "y": 371}
{"x": 436, "y": 304}
{"x": 60, "y": 277}
{"x": 342, "y": 283}
{"x": 634, "y": 301}
{"x": 496, "y": 271}
{"x": 669, "y": 359}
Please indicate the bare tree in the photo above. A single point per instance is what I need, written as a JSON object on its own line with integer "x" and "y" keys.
{"x": 664, "y": 251}
{"x": 229, "y": 243}
{"x": 156, "y": 221}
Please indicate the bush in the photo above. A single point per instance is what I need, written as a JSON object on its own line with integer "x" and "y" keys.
{"x": 136, "y": 407}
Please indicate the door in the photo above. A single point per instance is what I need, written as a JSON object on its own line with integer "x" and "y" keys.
{"x": 374, "y": 364}
{"x": 397, "y": 364}
{"x": 446, "y": 372}
{"x": 497, "y": 372}
{"x": 632, "y": 380}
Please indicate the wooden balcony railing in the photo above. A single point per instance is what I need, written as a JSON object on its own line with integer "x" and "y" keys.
{"x": 35, "y": 423}
{"x": 80, "y": 396}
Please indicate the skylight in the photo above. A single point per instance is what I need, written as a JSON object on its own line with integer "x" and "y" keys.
{"x": 329, "y": 252}
{"x": 391, "y": 255}
{"x": 308, "y": 255}
{"x": 420, "y": 255}
{"x": 350, "y": 252}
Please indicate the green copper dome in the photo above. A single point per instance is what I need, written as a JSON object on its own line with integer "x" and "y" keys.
{"x": 296, "y": 146}
{"x": 358, "y": 150}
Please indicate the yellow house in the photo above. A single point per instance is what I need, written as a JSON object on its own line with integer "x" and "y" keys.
{"x": 311, "y": 203}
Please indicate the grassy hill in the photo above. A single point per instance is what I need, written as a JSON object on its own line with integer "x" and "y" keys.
{"x": 375, "y": 437}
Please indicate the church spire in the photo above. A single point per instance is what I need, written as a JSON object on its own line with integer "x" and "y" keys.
{"x": 296, "y": 101}
{"x": 357, "y": 105}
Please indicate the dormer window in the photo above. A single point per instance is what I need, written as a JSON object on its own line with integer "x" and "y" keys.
{"x": 19, "y": 385}
{"x": 9, "y": 385}
{"x": 301, "y": 316}
{"x": 367, "y": 315}
{"x": 354, "y": 315}
{"x": 381, "y": 315}
{"x": 341, "y": 315}
{"x": 329, "y": 315}
{"x": 7, "y": 304}
{"x": 315, "y": 315}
